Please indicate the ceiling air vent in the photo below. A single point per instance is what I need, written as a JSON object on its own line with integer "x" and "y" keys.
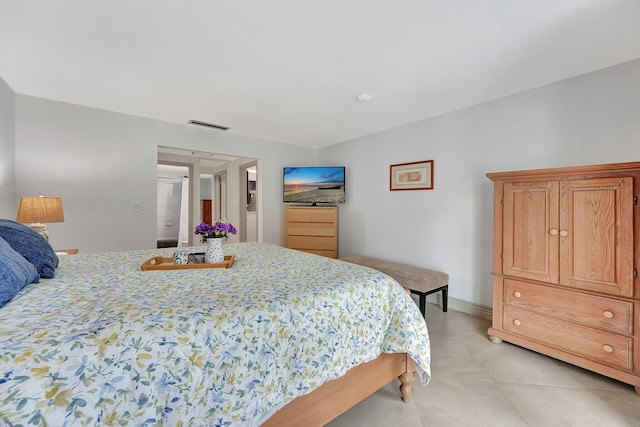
{"x": 209, "y": 125}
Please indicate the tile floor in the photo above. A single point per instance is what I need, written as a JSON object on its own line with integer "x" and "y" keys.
{"x": 478, "y": 383}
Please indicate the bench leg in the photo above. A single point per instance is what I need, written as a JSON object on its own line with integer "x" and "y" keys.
{"x": 423, "y": 305}
{"x": 423, "y": 298}
{"x": 445, "y": 297}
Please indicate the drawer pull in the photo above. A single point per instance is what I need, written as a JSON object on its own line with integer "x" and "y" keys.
{"x": 608, "y": 314}
{"x": 517, "y": 294}
{"x": 553, "y": 232}
{"x": 564, "y": 233}
{"x": 607, "y": 348}
{"x": 517, "y": 323}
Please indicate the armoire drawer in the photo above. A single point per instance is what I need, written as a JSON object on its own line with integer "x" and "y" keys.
{"x": 597, "y": 345}
{"x": 606, "y": 313}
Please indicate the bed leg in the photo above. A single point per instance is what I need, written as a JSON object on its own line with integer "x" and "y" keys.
{"x": 407, "y": 379}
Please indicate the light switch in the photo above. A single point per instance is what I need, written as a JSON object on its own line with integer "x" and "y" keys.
{"x": 169, "y": 222}
{"x": 136, "y": 206}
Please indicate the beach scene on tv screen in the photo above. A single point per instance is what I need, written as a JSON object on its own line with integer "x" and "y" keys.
{"x": 314, "y": 184}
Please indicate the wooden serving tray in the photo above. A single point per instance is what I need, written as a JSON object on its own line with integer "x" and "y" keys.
{"x": 161, "y": 263}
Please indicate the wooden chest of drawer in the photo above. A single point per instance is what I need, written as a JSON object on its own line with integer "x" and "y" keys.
{"x": 605, "y": 313}
{"x": 594, "y": 344}
{"x": 313, "y": 229}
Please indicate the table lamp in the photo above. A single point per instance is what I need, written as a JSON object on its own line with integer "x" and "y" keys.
{"x": 39, "y": 210}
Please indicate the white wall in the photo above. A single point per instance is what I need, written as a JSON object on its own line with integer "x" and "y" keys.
{"x": 101, "y": 162}
{"x": 591, "y": 119}
{"x": 8, "y": 206}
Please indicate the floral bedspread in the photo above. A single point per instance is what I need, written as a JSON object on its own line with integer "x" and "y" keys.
{"x": 104, "y": 343}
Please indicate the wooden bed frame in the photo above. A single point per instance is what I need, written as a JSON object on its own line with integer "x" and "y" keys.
{"x": 337, "y": 396}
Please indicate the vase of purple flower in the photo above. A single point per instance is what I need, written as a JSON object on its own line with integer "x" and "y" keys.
{"x": 212, "y": 235}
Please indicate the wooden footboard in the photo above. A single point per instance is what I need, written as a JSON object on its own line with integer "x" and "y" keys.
{"x": 337, "y": 396}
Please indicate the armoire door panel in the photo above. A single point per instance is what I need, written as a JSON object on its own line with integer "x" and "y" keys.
{"x": 531, "y": 218}
{"x": 596, "y": 235}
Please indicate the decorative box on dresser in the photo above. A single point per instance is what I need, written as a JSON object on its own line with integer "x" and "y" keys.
{"x": 566, "y": 249}
{"x": 313, "y": 229}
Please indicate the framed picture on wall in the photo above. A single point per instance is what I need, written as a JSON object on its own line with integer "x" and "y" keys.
{"x": 411, "y": 176}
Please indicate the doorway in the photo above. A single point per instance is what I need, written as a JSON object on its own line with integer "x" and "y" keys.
{"x": 227, "y": 185}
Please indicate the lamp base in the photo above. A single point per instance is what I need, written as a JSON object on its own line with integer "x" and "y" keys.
{"x": 41, "y": 229}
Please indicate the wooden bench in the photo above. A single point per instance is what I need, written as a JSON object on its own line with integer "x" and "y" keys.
{"x": 419, "y": 281}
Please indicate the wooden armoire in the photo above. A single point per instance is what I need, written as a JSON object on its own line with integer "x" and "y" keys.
{"x": 566, "y": 251}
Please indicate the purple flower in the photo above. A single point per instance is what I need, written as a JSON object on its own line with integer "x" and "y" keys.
{"x": 218, "y": 229}
{"x": 204, "y": 229}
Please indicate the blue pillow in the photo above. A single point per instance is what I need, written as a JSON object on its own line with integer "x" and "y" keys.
{"x": 15, "y": 272}
{"x": 30, "y": 245}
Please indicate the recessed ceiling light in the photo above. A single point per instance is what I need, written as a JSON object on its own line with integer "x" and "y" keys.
{"x": 364, "y": 97}
{"x": 209, "y": 125}
{"x": 202, "y": 154}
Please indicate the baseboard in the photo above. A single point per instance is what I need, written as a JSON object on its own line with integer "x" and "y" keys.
{"x": 463, "y": 306}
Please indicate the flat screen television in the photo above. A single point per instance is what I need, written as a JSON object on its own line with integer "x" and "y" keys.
{"x": 313, "y": 184}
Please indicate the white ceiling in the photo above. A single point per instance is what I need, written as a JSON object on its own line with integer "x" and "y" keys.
{"x": 289, "y": 70}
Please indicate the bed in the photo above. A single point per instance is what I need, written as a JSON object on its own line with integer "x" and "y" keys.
{"x": 281, "y": 335}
